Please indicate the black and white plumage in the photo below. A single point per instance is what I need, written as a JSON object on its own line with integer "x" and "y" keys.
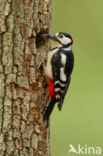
{"x": 62, "y": 66}
{"x": 58, "y": 69}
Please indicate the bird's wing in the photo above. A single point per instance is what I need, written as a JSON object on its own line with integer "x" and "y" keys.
{"x": 60, "y": 80}
{"x": 68, "y": 68}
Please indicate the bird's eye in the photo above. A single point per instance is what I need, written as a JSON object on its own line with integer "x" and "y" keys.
{"x": 60, "y": 36}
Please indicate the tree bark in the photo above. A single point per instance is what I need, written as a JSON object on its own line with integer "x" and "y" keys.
{"x": 23, "y": 89}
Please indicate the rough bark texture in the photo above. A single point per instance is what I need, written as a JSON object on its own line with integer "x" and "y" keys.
{"x": 23, "y": 93}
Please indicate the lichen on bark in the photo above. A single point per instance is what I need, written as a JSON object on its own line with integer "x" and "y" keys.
{"x": 23, "y": 90}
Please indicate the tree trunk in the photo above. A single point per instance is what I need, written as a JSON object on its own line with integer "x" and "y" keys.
{"x": 23, "y": 89}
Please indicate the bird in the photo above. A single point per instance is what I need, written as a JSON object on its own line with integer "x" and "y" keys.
{"x": 58, "y": 70}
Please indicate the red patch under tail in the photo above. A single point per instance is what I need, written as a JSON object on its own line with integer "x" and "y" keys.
{"x": 51, "y": 88}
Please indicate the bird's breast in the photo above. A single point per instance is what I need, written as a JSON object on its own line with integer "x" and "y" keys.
{"x": 48, "y": 68}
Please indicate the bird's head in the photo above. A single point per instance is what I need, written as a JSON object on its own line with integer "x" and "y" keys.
{"x": 62, "y": 39}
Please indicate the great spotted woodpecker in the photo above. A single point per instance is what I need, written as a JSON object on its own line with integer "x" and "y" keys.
{"x": 58, "y": 70}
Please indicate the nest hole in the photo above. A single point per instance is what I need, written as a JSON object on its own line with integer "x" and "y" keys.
{"x": 40, "y": 39}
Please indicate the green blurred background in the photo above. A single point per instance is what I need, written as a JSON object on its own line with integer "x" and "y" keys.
{"x": 80, "y": 121}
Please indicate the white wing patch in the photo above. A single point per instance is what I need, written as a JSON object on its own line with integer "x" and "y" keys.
{"x": 58, "y": 89}
{"x": 63, "y": 59}
{"x": 58, "y": 96}
{"x": 58, "y": 82}
{"x": 62, "y": 74}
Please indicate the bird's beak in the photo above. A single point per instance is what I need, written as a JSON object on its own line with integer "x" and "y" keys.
{"x": 51, "y": 36}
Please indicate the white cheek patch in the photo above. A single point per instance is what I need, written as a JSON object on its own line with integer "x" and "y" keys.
{"x": 62, "y": 74}
{"x": 65, "y": 40}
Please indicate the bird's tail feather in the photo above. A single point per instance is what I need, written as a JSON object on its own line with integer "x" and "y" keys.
{"x": 49, "y": 109}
